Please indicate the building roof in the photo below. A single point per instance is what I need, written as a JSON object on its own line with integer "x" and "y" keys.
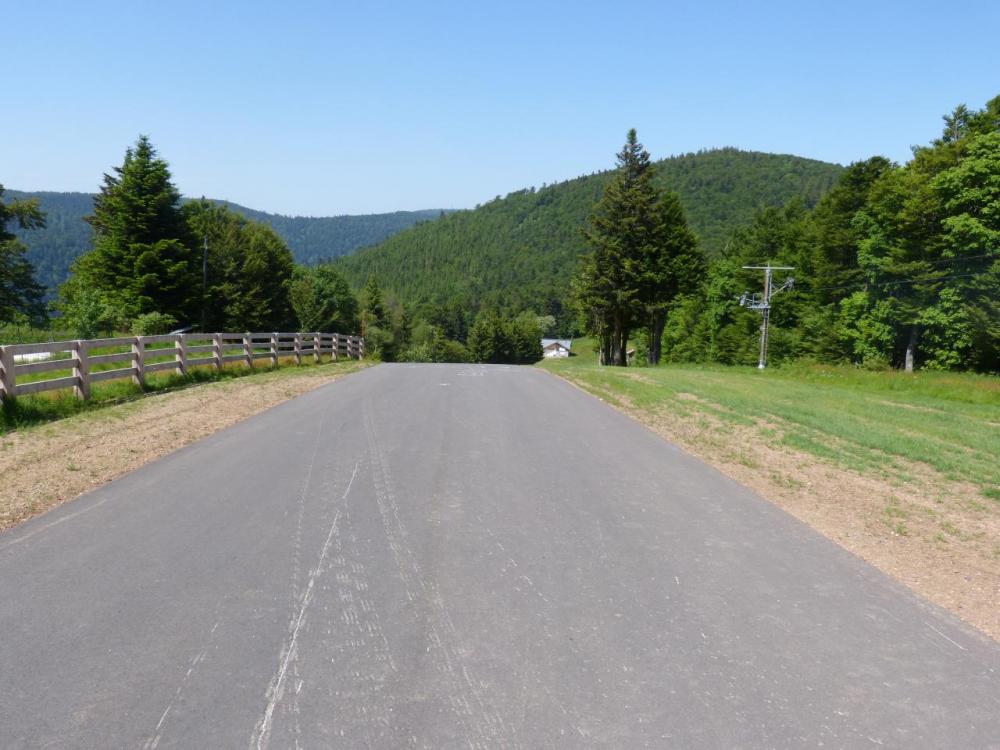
{"x": 564, "y": 343}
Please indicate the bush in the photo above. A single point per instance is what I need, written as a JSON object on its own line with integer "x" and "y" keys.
{"x": 153, "y": 324}
{"x": 417, "y": 353}
{"x": 497, "y": 339}
{"x": 438, "y": 349}
{"x": 453, "y": 351}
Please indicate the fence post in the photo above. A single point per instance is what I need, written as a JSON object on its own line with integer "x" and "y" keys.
{"x": 317, "y": 342}
{"x": 334, "y": 347}
{"x": 217, "y": 351}
{"x": 180, "y": 354}
{"x": 81, "y": 370}
{"x": 298, "y": 348}
{"x": 139, "y": 361}
{"x": 274, "y": 349}
{"x": 7, "y": 377}
{"x": 248, "y": 349}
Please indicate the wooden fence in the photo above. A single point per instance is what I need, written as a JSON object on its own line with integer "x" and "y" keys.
{"x": 148, "y": 354}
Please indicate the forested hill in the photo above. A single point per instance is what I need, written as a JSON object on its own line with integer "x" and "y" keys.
{"x": 520, "y": 251}
{"x": 66, "y": 236}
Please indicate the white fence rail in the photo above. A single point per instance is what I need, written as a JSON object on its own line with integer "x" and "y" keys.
{"x": 148, "y": 354}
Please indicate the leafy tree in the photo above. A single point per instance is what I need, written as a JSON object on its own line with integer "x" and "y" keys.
{"x": 928, "y": 228}
{"x": 385, "y": 323}
{"x": 495, "y": 338}
{"x": 92, "y": 314}
{"x": 20, "y": 294}
{"x": 966, "y": 319}
{"x": 153, "y": 324}
{"x": 488, "y": 339}
{"x": 323, "y": 300}
{"x": 142, "y": 259}
{"x": 249, "y": 271}
{"x": 525, "y": 338}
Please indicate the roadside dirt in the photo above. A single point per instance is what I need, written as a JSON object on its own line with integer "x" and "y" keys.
{"x": 46, "y": 465}
{"x": 937, "y": 536}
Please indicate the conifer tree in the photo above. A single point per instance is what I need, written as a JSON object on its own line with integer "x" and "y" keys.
{"x": 642, "y": 254}
{"x": 673, "y": 265}
{"x": 373, "y": 312}
{"x": 142, "y": 260}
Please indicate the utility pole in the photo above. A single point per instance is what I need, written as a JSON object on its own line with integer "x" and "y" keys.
{"x": 204, "y": 282}
{"x": 753, "y": 302}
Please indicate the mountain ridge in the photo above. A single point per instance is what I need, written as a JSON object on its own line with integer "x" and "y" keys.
{"x": 312, "y": 239}
{"x": 519, "y": 251}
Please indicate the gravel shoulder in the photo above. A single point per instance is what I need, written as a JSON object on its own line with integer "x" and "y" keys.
{"x": 46, "y": 465}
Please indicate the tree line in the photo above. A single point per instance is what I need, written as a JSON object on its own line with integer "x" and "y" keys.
{"x": 519, "y": 252}
{"x": 312, "y": 240}
{"x": 157, "y": 263}
{"x": 895, "y": 266}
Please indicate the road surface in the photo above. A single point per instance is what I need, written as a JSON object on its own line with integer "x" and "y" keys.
{"x": 451, "y": 556}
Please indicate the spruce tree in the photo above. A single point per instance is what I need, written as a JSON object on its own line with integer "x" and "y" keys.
{"x": 373, "y": 314}
{"x": 672, "y": 265}
{"x": 142, "y": 260}
{"x": 643, "y": 253}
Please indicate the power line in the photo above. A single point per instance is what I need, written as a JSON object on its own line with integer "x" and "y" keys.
{"x": 763, "y": 304}
{"x": 912, "y": 280}
{"x": 925, "y": 280}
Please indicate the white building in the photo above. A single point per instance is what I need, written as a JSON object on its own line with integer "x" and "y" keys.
{"x": 556, "y": 347}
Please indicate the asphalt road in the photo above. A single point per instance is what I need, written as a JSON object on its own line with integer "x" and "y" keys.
{"x": 449, "y": 556}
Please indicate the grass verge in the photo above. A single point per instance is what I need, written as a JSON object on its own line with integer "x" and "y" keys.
{"x": 902, "y": 470}
{"x": 34, "y": 409}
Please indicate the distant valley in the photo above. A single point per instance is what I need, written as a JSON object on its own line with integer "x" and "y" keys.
{"x": 311, "y": 239}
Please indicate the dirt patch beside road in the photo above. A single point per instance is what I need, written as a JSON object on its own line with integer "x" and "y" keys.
{"x": 46, "y": 465}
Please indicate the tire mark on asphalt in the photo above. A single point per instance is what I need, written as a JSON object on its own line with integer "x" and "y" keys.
{"x": 289, "y": 651}
{"x": 153, "y": 741}
{"x": 293, "y": 707}
{"x": 485, "y": 728}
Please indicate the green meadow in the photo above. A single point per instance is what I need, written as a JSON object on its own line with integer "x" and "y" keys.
{"x": 880, "y": 422}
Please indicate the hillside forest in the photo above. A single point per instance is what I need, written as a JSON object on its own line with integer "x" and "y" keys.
{"x": 895, "y": 265}
{"x": 52, "y": 248}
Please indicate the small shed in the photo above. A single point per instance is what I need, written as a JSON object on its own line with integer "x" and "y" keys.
{"x": 556, "y": 347}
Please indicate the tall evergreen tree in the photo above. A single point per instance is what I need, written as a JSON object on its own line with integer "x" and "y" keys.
{"x": 643, "y": 253}
{"x": 373, "y": 313}
{"x": 143, "y": 258}
{"x": 20, "y": 294}
{"x": 622, "y": 229}
{"x": 672, "y": 266}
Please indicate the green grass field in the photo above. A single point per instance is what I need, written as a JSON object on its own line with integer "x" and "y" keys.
{"x": 866, "y": 421}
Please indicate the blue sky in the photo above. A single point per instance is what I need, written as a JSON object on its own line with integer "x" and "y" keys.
{"x": 329, "y": 108}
